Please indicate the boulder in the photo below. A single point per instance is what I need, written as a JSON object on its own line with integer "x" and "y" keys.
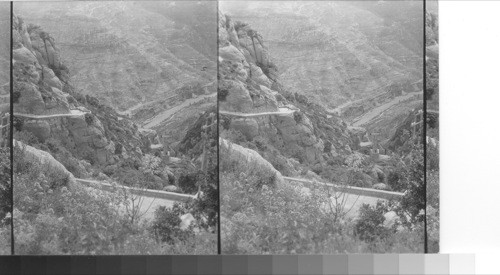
{"x": 23, "y": 55}
{"x": 44, "y": 159}
{"x": 238, "y": 98}
{"x": 231, "y": 53}
{"x": 390, "y": 219}
{"x": 186, "y": 221}
{"x": 50, "y": 78}
{"x": 31, "y": 100}
{"x": 259, "y": 76}
{"x": 245, "y": 158}
{"x": 265, "y": 101}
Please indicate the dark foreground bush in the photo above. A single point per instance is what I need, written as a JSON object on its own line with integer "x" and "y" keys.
{"x": 166, "y": 226}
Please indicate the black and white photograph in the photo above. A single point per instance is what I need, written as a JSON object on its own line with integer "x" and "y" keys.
{"x": 5, "y": 182}
{"x": 115, "y": 128}
{"x": 321, "y": 131}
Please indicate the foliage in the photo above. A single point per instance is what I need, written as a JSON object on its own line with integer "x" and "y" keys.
{"x": 166, "y": 226}
{"x": 205, "y": 209}
{"x": 222, "y": 94}
{"x": 5, "y": 201}
{"x": 268, "y": 220}
{"x": 298, "y": 117}
{"x": 412, "y": 207}
{"x": 370, "y": 225}
{"x": 5, "y": 187}
{"x": 188, "y": 181}
{"x": 60, "y": 217}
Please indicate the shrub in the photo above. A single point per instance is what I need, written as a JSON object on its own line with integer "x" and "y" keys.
{"x": 118, "y": 149}
{"x": 18, "y": 123}
{"x": 89, "y": 119}
{"x": 222, "y": 94}
{"x": 188, "y": 182}
{"x": 395, "y": 182}
{"x": 166, "y": 225}
{"x": 370, "y": 226}
{"x": 298, "y": 117}
{"x": 414, "y": 200}
{"x": 5, "y": 187}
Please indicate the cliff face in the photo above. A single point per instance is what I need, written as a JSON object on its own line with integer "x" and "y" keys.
{"x": 248, "y": 85}
{"x": 46, "y": 104}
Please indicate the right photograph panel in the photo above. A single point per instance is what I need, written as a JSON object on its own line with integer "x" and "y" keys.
{"x": 321, "y": 143}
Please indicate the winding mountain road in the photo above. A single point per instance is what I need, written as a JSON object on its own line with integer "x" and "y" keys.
{"x": 73, "y": 113}
{"x": 282, "y": 111}
{"x": 148, "y": 199}
{"x": 355, "y": 196}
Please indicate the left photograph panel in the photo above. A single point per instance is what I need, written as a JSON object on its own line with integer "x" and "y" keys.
{"x": 115, "y": 126}
{"x": 5, "y": 181}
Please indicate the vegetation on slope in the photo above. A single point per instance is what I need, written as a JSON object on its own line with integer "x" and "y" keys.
{"x": 56, "y": 216}
{"x": 5, "y": 201}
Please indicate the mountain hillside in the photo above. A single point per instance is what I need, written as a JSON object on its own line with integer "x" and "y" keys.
{"x": 4, "y": 57}
{"x": 153, "y": 62}
{"x": 361, "y": 60}
{"x": 73, "y": 137}
{"x": 337, "y": 52}
{"x": 128, "y": 52}
{"x": 304, "y": 134}
{"x": 278, "y": 138}
{"x": 89, "y": 137}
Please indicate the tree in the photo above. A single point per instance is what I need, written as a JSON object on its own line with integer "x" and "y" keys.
{"x": 412, "y": 205}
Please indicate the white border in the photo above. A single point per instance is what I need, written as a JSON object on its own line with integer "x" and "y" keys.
{"x": 470, "y": 130}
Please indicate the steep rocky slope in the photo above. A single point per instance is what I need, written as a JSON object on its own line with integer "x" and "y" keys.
{"x": 88, "y": 136}
{"x": 47, "y": 105}
{"x": 144, "y": 59}
{"x": 360, "y": 60}
{"x": 304, "y": 135}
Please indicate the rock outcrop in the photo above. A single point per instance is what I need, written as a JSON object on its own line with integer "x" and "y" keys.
{"x": 247, "y": 158}
{"x": 46, "y": 161}
{"x": 46, "y": 104}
